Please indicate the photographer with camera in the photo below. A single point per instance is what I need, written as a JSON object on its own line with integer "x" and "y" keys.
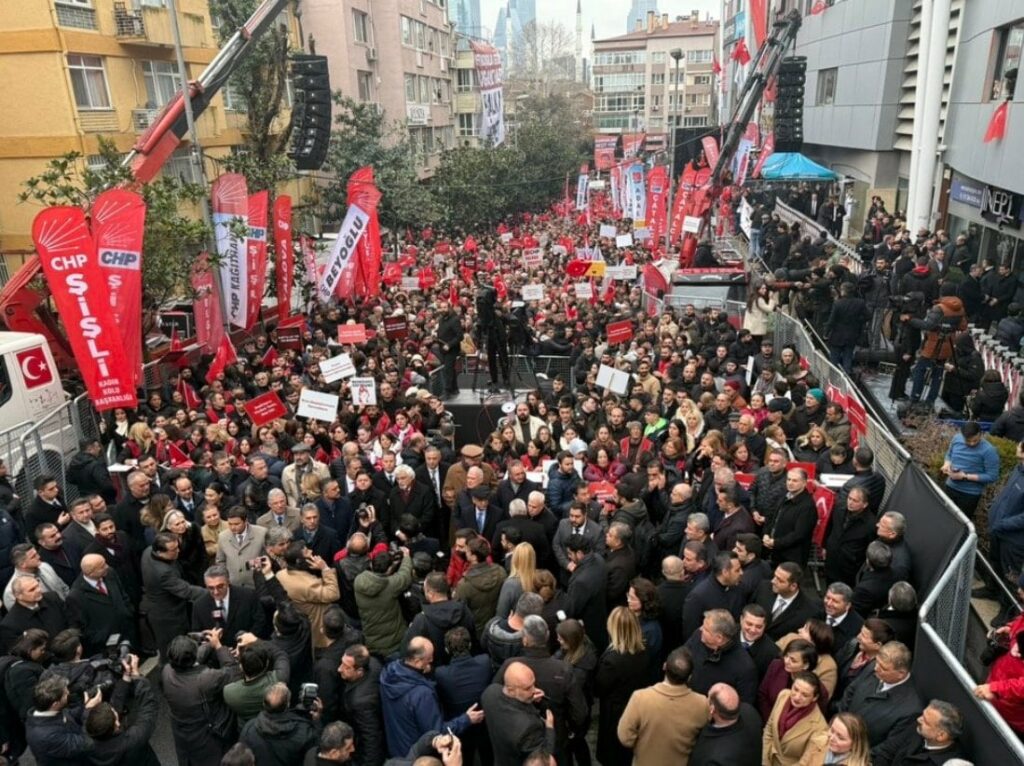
{"x": 281, "y": 735}
{"x": 53, "y": 729}
{"x": 121, "y": 732}
{"x": 377, "y": 594}
{"x": 944, "y": 320}
{"x": 311, "y": 585}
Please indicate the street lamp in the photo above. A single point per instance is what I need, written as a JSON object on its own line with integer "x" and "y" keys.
{"x": 677, "y": 55}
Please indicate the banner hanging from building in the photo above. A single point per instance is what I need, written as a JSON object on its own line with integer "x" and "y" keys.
{"x": 256, "y": 254}
{"x": 636, "y": 194}
{"x": 67, "y": 254}
{"x": 632, "y": 145}
{"x": 583, "y": 188}
{"x": 604, "y": 151}
{"x": 118, "y": 226}
{"x": 230, "y": 198}
{"x": 284, "y": 255}
{"x": 487, "y": 62}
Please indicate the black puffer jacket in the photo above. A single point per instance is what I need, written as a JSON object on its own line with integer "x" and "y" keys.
{"x": 280, "y": 739}
{"x": 437, "y": 619}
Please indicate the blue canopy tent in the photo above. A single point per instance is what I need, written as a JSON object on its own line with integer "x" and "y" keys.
{"x": 790, "y": 166}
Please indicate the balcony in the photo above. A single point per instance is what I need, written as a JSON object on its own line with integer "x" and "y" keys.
{"x": 150, "y": 26}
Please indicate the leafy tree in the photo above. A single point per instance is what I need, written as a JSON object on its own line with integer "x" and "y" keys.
{"x": 472, "y": 185}
{"x": 363, "y": 136}
{"x": 173, "y": 237}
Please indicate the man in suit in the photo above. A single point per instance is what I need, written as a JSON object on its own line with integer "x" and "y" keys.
{"x": 485, "y": 516}
{"x": 157, "y": 483}
{"x": 232, "y": 608}
{"x": 935, "y": 742}
{"x": 242, "y": 542}
{"x": 620, "y": 561}
{"x": 63, "y": 558}
{"x": 167, "y": 594}
{"x": 385, "y": 479}
{"x": 529, "y": 532}
{"x": 784, "y": 601}
{"x": 88, "y": 471}
{"x": 516, "y": 486}
{"x": 98, "y": 605}
{"x": 720, "y": 590}
{"x": 759, "y": 646}
{"x": 260, "y": 479}
{"x": 335, "y": 509}
{"x": 81, "y": 531}
{"x": 840, "y": 614}
{"x": 886, "y": 699}
{"x": 756, "y": 570}
{"x": 126, "y": 513}
{"x": 515, "y": 726}
{"x": 408, "y": 496}
{"x": 577, "y": 525}
{"x": 46, "y": 506}
{"x": 323, "y": 541}
{"x": 32, "y": 609}
{"x": 850, "y": 529}
{"x": 347, "y": 481}
{"x": 586, "y": 598}
{"x": 281, "y": 514}
{"x": 789, "y": 539}
{"x": 431, "y": 474}
{"x": 874, "y": 580}
{"x": 735, "y": 519}
{"x": 185, "y": 498}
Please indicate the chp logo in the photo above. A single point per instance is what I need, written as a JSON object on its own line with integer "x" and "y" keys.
{"x": 34, "y": 367}
{"x": 128, "y": 260}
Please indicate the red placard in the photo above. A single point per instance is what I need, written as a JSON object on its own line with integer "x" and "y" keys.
{"x": 396, "y": 328}
{"x": 620, "y": 332}
{"x": 265, "y": 408}
{"x": 351, "y": 334}
{"x": 602, "y": 490}
{"x": 289, "y": 337}
{"x": 858, "y": 419}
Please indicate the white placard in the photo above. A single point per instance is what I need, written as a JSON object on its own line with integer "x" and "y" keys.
{"x": 319, "y": 406}
{"x": 616, "y": 381}
{"x": 506, "y": 237}
{"x": 608, "y": 230}
{"x": 558, "y": 250}
{"x": 584, "y": 290}
{"x": 364, "y": 391}
{"x": 691, "y": 224}
{"x": 624, "y": 240}
{"x": 533, "y": 258}
{"x": 642, "y": 234}
{"x": 337, "y": 367}
{"x": 623, "y": 273}
{"x": 532, "y": 292}
{"x": 410, "y": 283}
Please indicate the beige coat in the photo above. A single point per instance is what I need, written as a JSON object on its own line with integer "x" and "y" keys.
{"x": 291, "y": 479}
{"x": 233, "y": 556}
{"x": 804, "y": 745}
{"x": 311, "y": 596}
{"x": 661, "y": 724}
{"x": 827, "y": 671}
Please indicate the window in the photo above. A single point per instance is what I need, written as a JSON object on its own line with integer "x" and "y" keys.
{"x": 360, "y": 27}
{"x": 435, "y": 91}
{"x": 620, "y": 58}
{"x": 695, "y": 122}
{"x": 89, "y": 82}
{"x": 233, "y": 99}
{"x": 1004, "y": 76}
{"x": 162, "y": 82}
{"x": 364, "y": 80}
{"x": 698, "y": 99}
{"x": 619, "y": 82}
{"x": 424, "y": 83}
{"x": 410, "y": 89}
{"x": 701, "y": 79}
{"x": 826, "y": 86}
{"x": 406, "y": 30}
{"x": 180, "y": 166}
{"x": 699, "y": 57}
{"x": 658, "y": 57}
{"x": 76, "y": 13}
{"x": 657, "y": 78}
{"x": 465, "y": 79}
{"x": 467, "y": 125}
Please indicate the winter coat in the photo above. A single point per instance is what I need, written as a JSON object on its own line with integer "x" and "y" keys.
{"x": 312, "y": 595}
{"x": 804, "y": 743}
{"x": 1010, "y": 425}
{"x": 758, "y": 313}
{"x": 561, "y": 490}
{"x": 990, "y": 401}
{"x": 501, "y": 642}
{"x": 1006, "y": 679}
{"x": 947, "y": 314}
{"x": 280, "y": 739}
{"x": 480, "y": 588}
{"x": 1006, "y": 512}
{"x": 58, "y": 740}
{"x": 847, "y": 321}
{"x": 89, "y": 473}
{"x": 411, "y": 708}
{"x": 661, "y": 723}
{"x": 437, "y": 619}
{"x": 618, "y": 676}
{"x": 377, "y": 597}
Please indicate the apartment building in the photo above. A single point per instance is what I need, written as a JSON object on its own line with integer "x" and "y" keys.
{"x": 394, "y": 53}
{"x": 75, "y": 70}
{"x": 638, "y": 85}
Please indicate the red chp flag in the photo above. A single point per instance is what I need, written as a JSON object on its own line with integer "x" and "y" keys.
{"x": 657, "y": 202}
{"x": 284, "y": 261}
{"x": 67, "y": 253}
{"x": 369, "y": 250}
{"x": 256, "y": 254}
{"x": 766, "y": 151}
{"x": 205, "y": 305}
{"x": 230, "y": 197}
{"x": 997, "y": 125}
{"x": 118, "y": 226}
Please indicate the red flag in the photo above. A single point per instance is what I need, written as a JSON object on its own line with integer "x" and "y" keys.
{"x": 759, "y": 20}
{"x": 284, "y": 254}
{"x": 997, "y": 125}
{"x": 766, "y": 152}
{"x": 178, "y": 458}
{"x": 188, "y": 394}
{"x": 609, "y": 293}
{"x": 740, "y": 53}
{"x": 205, "y": 305}
{"x": 818, "y": 8}
{"x": 268, "y": 358}
{"x": 392, "y": 274}
{"x": 716, "y": 68}
{"x": 67, "y": 254}
{"x": 427, "y": 278}
{"x": 500, "y": 287}
{"x": 118, "y": 226}
{"x": 657, "y": 200}
{"x": 470, "y": 245}
{"x": 453, "y": 293}
{"x": 593, "y": 292}
{"x": 175, "y": 340}
{"x": 256, "y": 252}
{"x": 225, "y": 355}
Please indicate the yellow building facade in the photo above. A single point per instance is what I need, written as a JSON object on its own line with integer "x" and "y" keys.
{"x": 74, "y": 70}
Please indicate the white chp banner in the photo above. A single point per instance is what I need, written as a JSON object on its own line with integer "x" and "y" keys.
{"x": 352, "y": 230}
{"x": 487, "y": 62}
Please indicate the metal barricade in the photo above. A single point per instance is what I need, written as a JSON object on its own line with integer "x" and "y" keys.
{"x": 525, "y": 368}
{"x": 44, "y": 448}
{"x": 947, "y": 608}
{"x": 789, "y": 215}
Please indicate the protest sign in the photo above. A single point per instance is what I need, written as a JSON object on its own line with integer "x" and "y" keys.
{"x": 396, "y": 328}
{"x": 364, "y": 391}
{"x": 624, "y": 240}
{"x": 265, "y": 408}
{"x": 317, "y": 405}
{"x": 337, "y": 367}
{"x": 351, "y": 333}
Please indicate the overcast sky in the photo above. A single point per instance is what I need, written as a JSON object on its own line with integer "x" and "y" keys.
{"x": 608, "y": 16}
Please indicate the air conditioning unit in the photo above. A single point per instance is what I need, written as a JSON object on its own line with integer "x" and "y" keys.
{"x": 371, "y": 54}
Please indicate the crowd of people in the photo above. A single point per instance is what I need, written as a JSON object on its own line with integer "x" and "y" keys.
{"x": 380, "y": 588}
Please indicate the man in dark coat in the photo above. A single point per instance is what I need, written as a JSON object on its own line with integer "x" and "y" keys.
{"x": 54, "y": 550}
{"x": 46, "y": 506}
{"x": 789, "y": 538}
{"x": 529, "y": 532}
{"x": 718, "y": 657}
{"x": 279, "y": 736}
{"x": 672, "y": 594}
{"x": 865, "y": 476}
{"x": 846, "y": 323}
{"x": 126, "y": 513}
{"x": 851, "y": 528}
{"x": 733, "y": 735}
{"x": 871, "y": 591}
{"x": 32, "y": 609}
{"x": 119, "y": 741}
{"x": 755, "y": 640}
{"x": 934, "y": 743}
{"x": 840, "y": 614}
{"x": 87, "y": 470}
{"x": 361, "y": 704}
{"x": 621, "y": 562}
{"x": 431, "y": 474}
{"x": 449, "y": 335}
{"x": 785, "y": 602}
{"x": 515, "y": 486}
{"x": 586, "y": 598}
{"x": 98, "y": 605}
{"x": 319, "y": 538}
{"x": 484, "y": 516}
{"x": 514, "y": 722}
{"x": 167, "y": 594}
{"x": 233, "y": 608}
{"x": 440, "y": 614}
{"x": 720, "y": 590}
{"x": 410, "y": 496}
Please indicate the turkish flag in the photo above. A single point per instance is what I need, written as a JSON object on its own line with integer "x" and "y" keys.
{"x": 818, "y": 8}
{"x": 740, "y": 53}
{"x": 392, "y": 274}
{"x": 225, "y": 355}
{"x": 34, "y": 367}
{"x": 500, "y": 287}
{"x": 997, "y": 125}
{"x": 178, "y": 458}
{"x": 716, "y": 68}
{"x": 189, "y": 394}
{"x": 576, "y": 268}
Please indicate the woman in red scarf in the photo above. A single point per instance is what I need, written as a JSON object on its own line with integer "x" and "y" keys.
{"x": 796, "y": 732}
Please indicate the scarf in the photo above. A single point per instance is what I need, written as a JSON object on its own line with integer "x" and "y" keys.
{"x": 791, "y": 716}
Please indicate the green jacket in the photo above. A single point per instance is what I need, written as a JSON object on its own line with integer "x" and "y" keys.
{"x": 377, "y": 599}
{"x": 480, "y": 588}
{"x": 245, "y": 698}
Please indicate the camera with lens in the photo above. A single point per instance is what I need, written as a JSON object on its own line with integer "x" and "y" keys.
{"x": 256, "y": 563}
{"x": 116, "y": 650}
{"x": 913, "y": 303}
{"x": 198, "y": 636}
{"x": 308, "y": 694}
{"x": 364, "y": 511}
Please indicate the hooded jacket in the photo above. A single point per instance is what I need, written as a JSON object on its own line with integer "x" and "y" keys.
{"x": 947, "y": 313}
{"x": 480, "y": 588}
{"x": 501, "y": 641}
{"x": 377, "y": 598}
{"x": 280, "y": 739}
{"x": 411, "y": 708}
{"x": 89, "y": 473}
{"x": 437, "y": 619}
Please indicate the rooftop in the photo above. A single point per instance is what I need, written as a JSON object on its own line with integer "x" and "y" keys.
{"x": 684, "y": 28}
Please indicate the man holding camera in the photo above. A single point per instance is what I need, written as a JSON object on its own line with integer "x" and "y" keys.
{"x": 281, "y": 734}
{"x": 118, "y": 739}
{"x": 53, "y": 731}
{"x": 377, "y": 592}
{"x": 312, "y": 593}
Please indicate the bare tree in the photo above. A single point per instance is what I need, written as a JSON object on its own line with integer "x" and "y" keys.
{"x": 543, "y": 55}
